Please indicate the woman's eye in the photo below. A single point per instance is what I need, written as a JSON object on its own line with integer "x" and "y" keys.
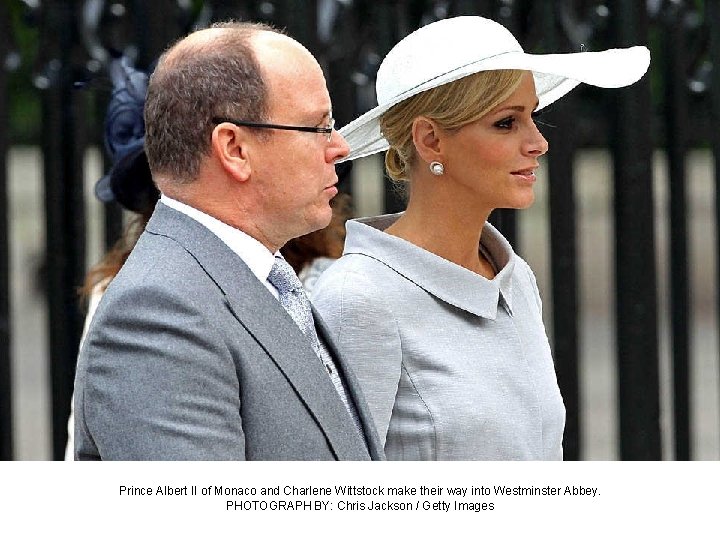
{"x": 505, "y": 123}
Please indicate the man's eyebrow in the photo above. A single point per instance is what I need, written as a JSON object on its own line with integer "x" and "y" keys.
{"x": 327, "y": 114}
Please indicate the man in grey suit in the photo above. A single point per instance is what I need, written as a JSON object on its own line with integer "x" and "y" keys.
{"x": 203, "y": 347}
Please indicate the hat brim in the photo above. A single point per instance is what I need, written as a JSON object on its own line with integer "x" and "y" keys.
{"x": 555, "y": 75}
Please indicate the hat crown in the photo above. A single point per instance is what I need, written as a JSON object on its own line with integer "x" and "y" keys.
{"x": 439, "y": 48}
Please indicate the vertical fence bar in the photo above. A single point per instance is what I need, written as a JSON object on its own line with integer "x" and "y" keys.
{"x": 157, "y": 25}
{"x": 390, "y": 26}
{"x": 299, "y": 18}
{"x": 505, "y": 219}
{"x": 112, "y": 214}
{"x": 563, "y": 249}
{"x": 63, "y": 149}
{"x": 339, "y": 57}
{"x": 712, "y": 15}
{"x": 635, "y": 273}
{"x": 340, "y": 52}
{"x": 674, "y": 58}
{"x": 564, "y": 278}
{"x": 5, "y": 370}
{"x": 223, "y": 10}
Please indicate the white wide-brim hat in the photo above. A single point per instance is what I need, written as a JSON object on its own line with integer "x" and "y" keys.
{"x": 450, "y": 49}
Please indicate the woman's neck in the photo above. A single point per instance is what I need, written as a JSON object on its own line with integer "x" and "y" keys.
{"x": 439, "y": 221}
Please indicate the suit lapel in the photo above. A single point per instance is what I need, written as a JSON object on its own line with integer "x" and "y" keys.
{"x": 261, "y": 314}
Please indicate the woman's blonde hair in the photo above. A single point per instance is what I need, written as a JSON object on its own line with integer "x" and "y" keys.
{"x": 451, "y": 105}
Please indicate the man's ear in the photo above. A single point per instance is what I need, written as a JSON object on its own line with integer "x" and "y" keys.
{"x": 231, "y": 148}
{"x": 427, "y": 139}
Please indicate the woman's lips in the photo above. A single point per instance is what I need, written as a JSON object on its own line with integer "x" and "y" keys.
{"x": 526, "y": 174}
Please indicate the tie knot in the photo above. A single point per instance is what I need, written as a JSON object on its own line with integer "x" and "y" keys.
{"x": 283, "y": 277}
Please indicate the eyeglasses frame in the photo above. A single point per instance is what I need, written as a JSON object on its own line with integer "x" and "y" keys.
{"x": 244, "y": 123}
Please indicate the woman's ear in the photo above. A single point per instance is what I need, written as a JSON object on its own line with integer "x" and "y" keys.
{"x": 231, "y": 149}
{"x": 426, "y": 138}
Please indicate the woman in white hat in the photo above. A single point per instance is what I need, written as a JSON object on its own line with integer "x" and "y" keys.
{"x": 438, "y": 317}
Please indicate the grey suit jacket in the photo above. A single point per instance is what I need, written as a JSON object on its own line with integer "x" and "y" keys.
{"x": 190, "y": 357}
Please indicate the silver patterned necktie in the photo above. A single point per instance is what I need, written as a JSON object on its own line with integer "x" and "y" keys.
{"x": 294, "y": 300}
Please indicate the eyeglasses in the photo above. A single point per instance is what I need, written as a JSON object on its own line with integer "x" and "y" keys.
{"x": 326, "y": 130}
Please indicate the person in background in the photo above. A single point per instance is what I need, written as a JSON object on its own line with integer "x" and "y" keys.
{"x": 441, "y": 320}
{"x": 204, "y": 345}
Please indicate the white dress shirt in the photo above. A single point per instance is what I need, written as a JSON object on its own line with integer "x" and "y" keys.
{"x": 258, "y": 258}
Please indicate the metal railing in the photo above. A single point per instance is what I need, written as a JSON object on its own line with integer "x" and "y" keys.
{"x": 350, "y": 38}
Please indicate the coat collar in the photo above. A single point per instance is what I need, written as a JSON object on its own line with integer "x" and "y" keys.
{"x": 439, "y": 277}
{"x": 274, "y": 331}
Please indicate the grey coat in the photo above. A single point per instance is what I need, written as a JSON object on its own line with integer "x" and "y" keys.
{"x": 190, "y": 357}
{"x": 453, "y": 365}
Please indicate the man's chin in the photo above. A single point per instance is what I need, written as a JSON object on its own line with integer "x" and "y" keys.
{"x": 324, "y": 222}
{"x": 319, "y": 222}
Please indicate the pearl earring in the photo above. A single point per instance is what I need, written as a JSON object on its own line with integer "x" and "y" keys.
{"x": 437, "y": 168}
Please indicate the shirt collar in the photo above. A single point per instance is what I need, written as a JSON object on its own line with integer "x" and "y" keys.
{"x": 443, "y": 279}
{"x": 253, "y": 253}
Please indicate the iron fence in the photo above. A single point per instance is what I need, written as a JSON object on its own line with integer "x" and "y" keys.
{"x": 350, "y": 37}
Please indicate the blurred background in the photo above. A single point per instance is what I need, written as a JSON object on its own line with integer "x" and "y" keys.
{"x": 623, "y": 236}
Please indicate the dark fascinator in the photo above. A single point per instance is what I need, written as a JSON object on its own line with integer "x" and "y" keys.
{"x": 129, "y": 181}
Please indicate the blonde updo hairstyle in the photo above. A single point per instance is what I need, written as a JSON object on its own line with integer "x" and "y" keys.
{"x": 451, "y": 106}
